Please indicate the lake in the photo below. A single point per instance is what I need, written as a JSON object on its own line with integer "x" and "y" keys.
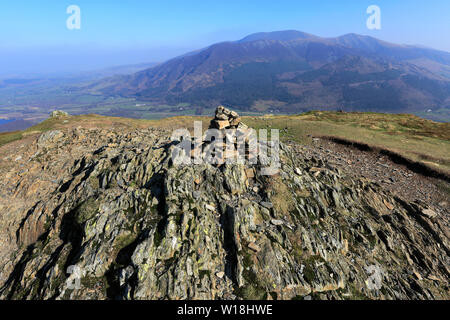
{"x": 2, "y": 121}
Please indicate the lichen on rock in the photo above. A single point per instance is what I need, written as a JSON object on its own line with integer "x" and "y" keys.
{"x": 112, "y": 203}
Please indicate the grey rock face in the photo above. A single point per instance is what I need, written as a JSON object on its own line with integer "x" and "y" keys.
{"x": 138, "y": 227}
{"x": 50, "y": 137}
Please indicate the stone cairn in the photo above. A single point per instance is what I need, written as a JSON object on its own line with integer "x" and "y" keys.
{"x": 224, "y": 120}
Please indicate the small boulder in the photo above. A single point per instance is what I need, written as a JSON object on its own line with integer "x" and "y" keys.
{"x": 267, "y": 205}
{"x": 276, "y": 222}
{"x": 429, "y": 213}
{"x": 235, "y": 121}
{"x": 220, "y": 124}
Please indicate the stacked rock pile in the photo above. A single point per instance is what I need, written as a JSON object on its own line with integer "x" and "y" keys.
{"x": 226, "y": 119}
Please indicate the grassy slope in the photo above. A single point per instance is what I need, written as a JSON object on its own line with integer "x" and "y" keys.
{"x": 414, "y": 138}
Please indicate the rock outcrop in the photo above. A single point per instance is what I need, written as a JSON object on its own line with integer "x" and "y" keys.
{"x": 111, "y": 204}
{"x": 58, "y": 113}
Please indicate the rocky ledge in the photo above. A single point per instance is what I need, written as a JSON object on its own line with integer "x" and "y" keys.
{"x": 110, "y": 204}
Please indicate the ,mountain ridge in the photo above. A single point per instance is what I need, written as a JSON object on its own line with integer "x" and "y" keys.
{"x": 291, "y": 71}
{"x": 277, "y": 35}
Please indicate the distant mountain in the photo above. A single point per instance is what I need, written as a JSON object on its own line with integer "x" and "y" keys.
{"x": 291, "y": 71}
{"x": 66, "y": 78}
{"x": 278, "y": 35}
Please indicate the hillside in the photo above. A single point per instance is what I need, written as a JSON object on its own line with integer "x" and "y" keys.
{"x": 291, "y": 71}
{"x": 102, "y": 194}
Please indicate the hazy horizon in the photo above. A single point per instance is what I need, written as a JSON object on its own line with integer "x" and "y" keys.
{"x": 35, "y": 38}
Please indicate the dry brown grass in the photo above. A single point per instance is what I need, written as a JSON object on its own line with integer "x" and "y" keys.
{"x": 280, "y": 195}
{"x": 405, "y": 124}
{"x": 416, "y": 139}
{"x": 424, "y": 141}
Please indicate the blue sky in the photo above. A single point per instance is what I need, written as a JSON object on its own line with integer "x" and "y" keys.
{"x": 33, "y": 34}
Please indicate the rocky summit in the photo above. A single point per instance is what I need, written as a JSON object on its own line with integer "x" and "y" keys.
{"x": 104, "y": 213}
